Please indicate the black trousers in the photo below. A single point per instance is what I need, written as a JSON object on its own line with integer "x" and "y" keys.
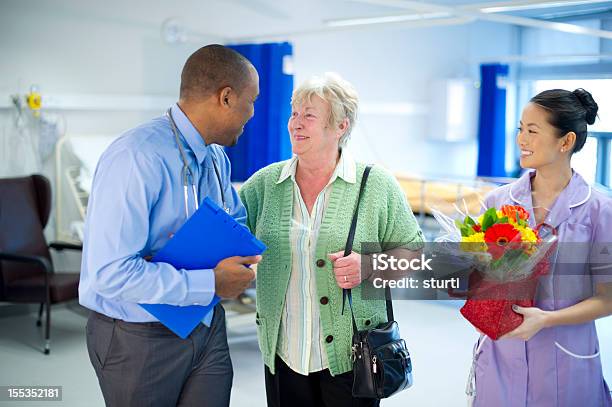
{"x": 287, "y": 388}
{"x": 145, "y": 364}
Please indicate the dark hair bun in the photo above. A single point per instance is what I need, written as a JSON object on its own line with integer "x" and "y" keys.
{"x": 587, "y": 101}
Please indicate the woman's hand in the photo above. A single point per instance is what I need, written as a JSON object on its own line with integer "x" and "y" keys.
{"x": 534, "y": 320}
{"x": 347, "y": 269}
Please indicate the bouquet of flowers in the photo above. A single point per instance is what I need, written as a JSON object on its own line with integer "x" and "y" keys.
{"x": 506, "y": 255}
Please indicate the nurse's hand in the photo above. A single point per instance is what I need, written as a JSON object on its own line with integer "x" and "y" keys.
{"x": 534, "y": 320}
{"x": 233, "y": 276}
{"x": 346, "y": 269}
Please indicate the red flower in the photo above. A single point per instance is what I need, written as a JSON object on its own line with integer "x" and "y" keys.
{"x": 477, "y": 228}
{"x": 498, "y": 236}
{"x": 511, "y": 210}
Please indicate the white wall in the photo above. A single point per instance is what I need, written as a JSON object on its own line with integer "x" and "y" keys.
{"x": 399, "y": 66}
{"x": 70, "y": 52}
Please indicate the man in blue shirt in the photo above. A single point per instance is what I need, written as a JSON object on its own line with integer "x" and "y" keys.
{"x": 138, "y": 201}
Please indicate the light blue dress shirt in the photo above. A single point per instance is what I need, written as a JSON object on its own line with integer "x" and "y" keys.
{"x": 136, "y": 204}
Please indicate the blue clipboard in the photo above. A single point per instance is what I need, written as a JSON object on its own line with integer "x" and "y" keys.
{"x": 209, "y": 236}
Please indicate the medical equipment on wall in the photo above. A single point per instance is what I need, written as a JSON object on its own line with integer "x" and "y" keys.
{"x": 34, "y": 100}
{"x": 173, "y": 31}
{"x": 28, "y": 136}
{"x": 454, "y": 110}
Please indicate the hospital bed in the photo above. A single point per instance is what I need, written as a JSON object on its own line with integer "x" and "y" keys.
{"x": 449, "y": 195}
{"x": 76, "y": 157}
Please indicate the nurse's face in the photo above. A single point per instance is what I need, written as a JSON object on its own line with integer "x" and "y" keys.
{"x": 537, "y": 139}
{"x": 310, "y": 131}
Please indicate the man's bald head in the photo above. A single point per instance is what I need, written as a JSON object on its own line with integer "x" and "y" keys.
{"x": 212, "y": 68}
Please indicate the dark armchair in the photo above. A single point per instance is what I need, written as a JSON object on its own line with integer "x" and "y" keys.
{"x": 26, "y": 269}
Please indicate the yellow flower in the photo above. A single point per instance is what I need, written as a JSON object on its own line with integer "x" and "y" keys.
{"x": 475, "y": 238}
{"x": 473, "y": 243}
{"x": 530, "y": 239}
{"x": 499, "y": 215}
{"x": 527, "y": 234}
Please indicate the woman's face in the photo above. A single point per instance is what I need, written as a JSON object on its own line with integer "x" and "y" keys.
{"x": 537, "y": 139}
{"x": 310, "y": 130}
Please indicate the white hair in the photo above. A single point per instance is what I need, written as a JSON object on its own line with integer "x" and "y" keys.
{"x": 340, "y": 94}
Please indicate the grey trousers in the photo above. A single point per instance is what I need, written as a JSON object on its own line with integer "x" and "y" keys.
{"x": 145, "y": 364}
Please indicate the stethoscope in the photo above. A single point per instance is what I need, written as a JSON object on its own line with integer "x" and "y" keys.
{"x": 187, "y": 175}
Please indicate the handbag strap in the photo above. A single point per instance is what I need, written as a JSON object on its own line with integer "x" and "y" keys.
{"x": 347, "y": 293}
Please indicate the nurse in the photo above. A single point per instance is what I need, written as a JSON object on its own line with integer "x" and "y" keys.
{"x": 552, "y": 358}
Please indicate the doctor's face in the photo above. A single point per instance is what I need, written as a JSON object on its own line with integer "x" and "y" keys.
{"x": 309, "y": 128}
{"x": 242, "y": 110}
{"x": 537, "y": 138}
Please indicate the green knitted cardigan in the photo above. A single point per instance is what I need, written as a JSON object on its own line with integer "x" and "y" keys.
{"x": 384, "y": 217}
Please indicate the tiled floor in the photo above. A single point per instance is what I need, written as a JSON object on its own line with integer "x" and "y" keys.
{"x": 439, "y": 340}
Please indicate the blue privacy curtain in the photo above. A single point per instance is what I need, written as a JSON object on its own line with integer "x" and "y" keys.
{"x": 265, "y": 139}
{"x": 492, "y": 121}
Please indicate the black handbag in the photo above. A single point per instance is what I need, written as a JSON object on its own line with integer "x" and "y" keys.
{"x": 381, "y": 361}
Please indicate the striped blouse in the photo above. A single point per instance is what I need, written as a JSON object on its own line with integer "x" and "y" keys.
{"x": 300, "y": 343}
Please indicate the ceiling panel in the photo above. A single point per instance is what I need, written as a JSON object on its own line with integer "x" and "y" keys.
{"x": 243, "y": 18}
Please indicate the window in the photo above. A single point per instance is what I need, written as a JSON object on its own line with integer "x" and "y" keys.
{"x": 585, "y": 161}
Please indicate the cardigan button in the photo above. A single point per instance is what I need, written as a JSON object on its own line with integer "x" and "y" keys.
{"x": 329, "y": 338}
{"x": 368, "y": 322}
{"x": 324, "y": 300}
{"x": 320, "y": 263}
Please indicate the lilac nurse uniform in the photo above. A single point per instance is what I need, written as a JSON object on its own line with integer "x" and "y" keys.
{"x": 559, "y": 366}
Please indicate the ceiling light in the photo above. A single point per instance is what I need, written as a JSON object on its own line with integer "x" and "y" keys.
{"x": 385, "y": 19}
{"x": 534, "y": 6}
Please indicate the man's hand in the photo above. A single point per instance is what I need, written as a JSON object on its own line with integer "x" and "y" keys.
{"x": 232, "y": 276}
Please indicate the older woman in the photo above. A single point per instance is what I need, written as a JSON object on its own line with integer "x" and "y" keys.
{"x": 301, "y": 209}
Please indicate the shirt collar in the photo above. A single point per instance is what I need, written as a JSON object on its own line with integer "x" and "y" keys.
{"x": 576, "y": 193}
{"x": 345, "y": 169}
{"x": 520, "y": 191}
{"x": 190, "y": 134}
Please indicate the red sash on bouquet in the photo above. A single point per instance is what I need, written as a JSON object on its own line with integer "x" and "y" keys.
{"x": 489, "y": 303}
